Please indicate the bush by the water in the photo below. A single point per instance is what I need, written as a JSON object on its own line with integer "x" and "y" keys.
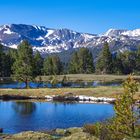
{"x": 125, "y": 122}
{"x": 93, "y": 129}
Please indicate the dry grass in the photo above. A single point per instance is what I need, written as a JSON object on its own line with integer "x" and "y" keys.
{"x": 96, "y": 92}
{"x": 101, "y": 91}
{"x": 90, "y": 77}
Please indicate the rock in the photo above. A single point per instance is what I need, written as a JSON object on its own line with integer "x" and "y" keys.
{"x": 33, "y": 97}
{"x": 29, "y": 135}
{"x": 96, "y": 99}
{"x": 75, "y": 130}
{"x": 61, "y": 132}
{"x": 69, "y": 131}
{"x": 67, "y": 134}
{"x": 65, "y": 98}
{"x": 79, "y": 136}
{"x": 48, "y": 97}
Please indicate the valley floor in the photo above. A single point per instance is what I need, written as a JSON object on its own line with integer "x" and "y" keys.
{"x": 90, "y": 77}
{"x": 101, "y": 91}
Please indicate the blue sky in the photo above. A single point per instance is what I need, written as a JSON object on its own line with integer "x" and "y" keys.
{"x": 92, "y": 16}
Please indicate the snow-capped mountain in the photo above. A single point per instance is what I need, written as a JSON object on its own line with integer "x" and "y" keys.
{"x": 47, "y": 40}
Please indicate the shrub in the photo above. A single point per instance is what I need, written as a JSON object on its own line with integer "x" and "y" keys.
{"x": 123, "y": 124}
{"x": 93, "y": 129}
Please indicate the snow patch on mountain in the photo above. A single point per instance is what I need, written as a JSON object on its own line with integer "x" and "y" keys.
{"x": 114, "y": 32}
{"x": 8, "y": 31}
{"x": 40, "y": 38}
{"x": 49, "y": 32}
{"x": 13, "y": 46}
{"x": 47, "y": 40}
{"x": 44, "y": 50}
{"x": 132, "y": 33}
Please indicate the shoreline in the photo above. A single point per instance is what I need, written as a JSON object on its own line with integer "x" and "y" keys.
{"x": 59, "y": 98}
{"x": 105, "y": 94}
{"x": 73, "y": 133}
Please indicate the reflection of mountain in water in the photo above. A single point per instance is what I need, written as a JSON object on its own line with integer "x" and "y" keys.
{"x": 24, "y": 108}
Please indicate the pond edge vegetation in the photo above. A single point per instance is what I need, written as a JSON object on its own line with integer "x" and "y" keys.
{"x": 124, "y": 125}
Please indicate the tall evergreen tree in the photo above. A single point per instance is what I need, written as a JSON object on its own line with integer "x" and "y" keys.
{"x": 117, "y": 65}
{"x": 1, "y": 60}
{"x": 11, "y": 56}
{"x": 138, "y": 61}
{"x": 104, "y": 62}
{"x": 38, "y": 64}
{"x": 48, "y": 66}
{"x": 52, "y": 66}
{"x": 57, "y": 65}
{"x": 5, "y": 63}
{"x": 74, "y": 64}
{"x": 85, "y": 61}
{"x": 126, "y": 112}
{"x": 23, "y": 66}
{"x": 81, "y": 62}
{"x": 128, "y": 59}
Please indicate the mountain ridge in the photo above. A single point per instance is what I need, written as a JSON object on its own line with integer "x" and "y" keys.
{"x": 49, "y": 40}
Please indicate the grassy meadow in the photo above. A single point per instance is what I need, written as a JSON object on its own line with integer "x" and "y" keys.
{"x": 89, "y": 78}
{"x": 100, "y": 91}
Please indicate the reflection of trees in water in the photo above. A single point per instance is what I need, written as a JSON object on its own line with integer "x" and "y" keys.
{"x": 24, "y": 108}
{"x": 65, "y": 103}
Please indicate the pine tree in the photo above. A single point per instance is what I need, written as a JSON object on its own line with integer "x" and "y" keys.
{"x": 117, "y": 65}
{"x": 86, "y": 64}
{"x": 138, "y": 61}
{"x": 104, "y": 63}
{"x": 23, "y": 65}
{"x": 1, "y": 60}
{"x": 52, "y": 65}
{"x": 57, "y": 65}
{"x": 7, "y": 65}
{"x": 81, "y": 62}
{"x": 38, "y": 64}
{"x": 74, "y": 64}
{"x": 128, "y": 59}
{"x": 10, "y": 59}
{"x": 48, "y": 66}
{"x": 126, "y": 117}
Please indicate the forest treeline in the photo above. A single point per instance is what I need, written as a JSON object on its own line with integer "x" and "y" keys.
{"x": 24, "y": 64}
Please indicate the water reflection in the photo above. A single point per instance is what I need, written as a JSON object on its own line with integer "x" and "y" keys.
{"x": 24, "y": 108}
{"x": 24, "y": 115}
{"x": 61, "y": 85}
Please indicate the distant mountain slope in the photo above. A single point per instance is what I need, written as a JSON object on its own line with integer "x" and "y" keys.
{"x": 47, "y": 40}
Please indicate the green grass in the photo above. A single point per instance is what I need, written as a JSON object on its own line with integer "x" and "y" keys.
{"x": 90, "y": 77}
{"x": 81, "y": 78}
{"x": 101, "y": 91}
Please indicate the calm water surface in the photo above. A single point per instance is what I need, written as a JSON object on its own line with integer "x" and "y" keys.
{"x": 59, "y": 85}
{"x": 17, "y": 116}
